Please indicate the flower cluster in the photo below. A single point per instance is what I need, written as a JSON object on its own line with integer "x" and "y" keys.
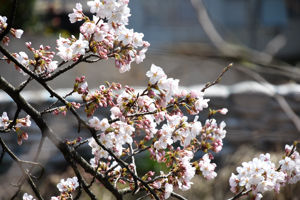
{"x": 135, "y": 121}
{"x": 115, "y": 136}
{"x": 3, "y": 25}
{"x": 260, "y": 174}
{"x": 110, "y": 167}
{"x": 133, "y": 112}
{"x": 102, "y": 37}
{"x": 23, "y": 122}
{"x": 105, "y": 35}
{"x": 291, "y": 165}
{"x": 65, "y": 188}
{"x": 27, "y": 197}
{"x": 103, "y": 97}
{"x": 207, "y": 168}
{"x": 42, "y": 63}
{"x": 184, "y": 173}
{"x": 71, "y": 48}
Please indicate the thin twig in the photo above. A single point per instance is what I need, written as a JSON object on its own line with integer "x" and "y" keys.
{"x": 94, "y": 176}
{"x": 241, "y": 52}
{"x": 142, "y": 197}
{"x": 136, "y": 188}
{"x": 66, "y": 150}
{"x": 218, "y": 79}
{"x": 279, "y": 98}
{"x": 33, "y": 186}
{"x": 10, "y": 20}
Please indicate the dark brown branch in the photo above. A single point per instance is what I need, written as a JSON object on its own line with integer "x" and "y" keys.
{"x": 16, "y": 159}
{"x": 23, "y": 178}
{"x": 19, "y": 163}
{"x": 33, "y": 186}
{"x": 83, "y": 183}
{"x": 177, "y": 196}
{"x": 10, "y": 20}
{"x": 78, "y": 193}
{"x": 17, "y": 63}
{"x": 56, "y": 74}
{"x": 36, "y": 116}
{"x": 242, "y": 193}
{"x": 67, "y": 151}
{"x": 24, "y": 84}
{"x": 2, "y": 155}
{"x": 48, "y": 110}
{"x": 10, "y": 126}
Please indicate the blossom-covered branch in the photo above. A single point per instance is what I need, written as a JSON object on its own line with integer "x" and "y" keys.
{"x": 161, "y": 121}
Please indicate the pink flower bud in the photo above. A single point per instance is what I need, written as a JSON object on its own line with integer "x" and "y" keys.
{"x": 146, "y": 44}
{"x": 223, "y": 111}
{"x": 28, "y": 45}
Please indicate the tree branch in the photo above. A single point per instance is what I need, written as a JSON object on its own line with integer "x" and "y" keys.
{"x": 241, "y": 52}
{"x": 10, "y": 20}
{"x": 67, "y": 151}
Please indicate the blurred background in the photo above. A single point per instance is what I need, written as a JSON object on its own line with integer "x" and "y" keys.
{"x": 192, "y": 41}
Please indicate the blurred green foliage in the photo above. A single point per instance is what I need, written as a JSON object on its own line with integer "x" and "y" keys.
{"x": 24, "y": 14}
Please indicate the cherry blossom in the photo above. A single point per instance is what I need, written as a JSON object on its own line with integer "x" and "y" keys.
{"x": 27, "y": 197}
{"x": 136, "y": 116}
{"x": 95, "y": 5}
{"x": 22, "y": 57}
{"x": 223, "y": 111}
{"x": 80, "y": 45}
{"x": 22, "y": 122}
{"x": 17, "y": 33}
{"x": 155, "y": 74}
{"x": 260, "y": 175}
{"x": 95, "y": 123}
{"x": 3, "y": 23}
{"x": 201, "y": 103}
{"x": 4, "y": 120}
{"x": 168, "y": 190}
{"x": 77, "y": 14}
{"x": 126, "y": 36}
{"x": 69, "y": 185}
{"x": 105, "y": 35}
{"x": 207, "y": 168}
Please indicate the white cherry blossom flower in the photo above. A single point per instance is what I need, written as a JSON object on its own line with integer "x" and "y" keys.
{"x": 155, "y": 74}
{"x": 4, "y": 120}
{"x": 27, "y": 197}
{"x": 95, "y": 123}
{"x": 19, "y": 33}
{"x": 76, "y": 15}
{"x": 168, "y": 190}
{"x": 95, "y": 6}
{"x": 201, "y": 103}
